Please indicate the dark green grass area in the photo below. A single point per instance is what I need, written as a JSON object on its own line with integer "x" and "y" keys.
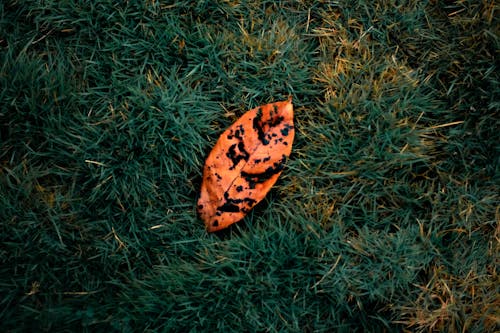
{"x": 386, "y": 218}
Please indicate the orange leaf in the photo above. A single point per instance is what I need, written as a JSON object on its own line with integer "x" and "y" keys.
{"x": 245, "y": 163}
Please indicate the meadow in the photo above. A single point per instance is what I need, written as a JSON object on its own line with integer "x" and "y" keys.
{"x": 385, "y": 218}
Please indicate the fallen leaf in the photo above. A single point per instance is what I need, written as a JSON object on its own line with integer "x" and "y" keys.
{"x": 245, "y": 163}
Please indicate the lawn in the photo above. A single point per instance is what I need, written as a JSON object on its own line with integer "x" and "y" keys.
{"x": 385, "y": 218}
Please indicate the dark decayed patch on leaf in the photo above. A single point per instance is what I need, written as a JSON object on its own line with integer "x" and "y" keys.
{"x": 231, "y": 205}
{"x": 236, "y": 155}
{"x": 261, "y": 177}
{"x": 284, "y": 131}
{"x": 257, "y": 125}
{"x": 238, "y": 133}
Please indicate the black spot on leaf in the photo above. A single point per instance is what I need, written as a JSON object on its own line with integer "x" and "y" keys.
{"x": 236, "y": 153}
{"x": 261, "y": 177}
{"x": 229, "y": 207}
{"x": 258, "y": 127}
{"x": 286, "y": 129}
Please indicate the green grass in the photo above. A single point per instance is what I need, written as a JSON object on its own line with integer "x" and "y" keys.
{"x": 386, "y": 217}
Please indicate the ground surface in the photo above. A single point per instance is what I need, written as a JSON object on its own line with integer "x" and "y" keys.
{"x": 384, "y": 219}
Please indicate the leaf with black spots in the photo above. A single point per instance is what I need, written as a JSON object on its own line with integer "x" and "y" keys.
{"x": 245, "y": 163}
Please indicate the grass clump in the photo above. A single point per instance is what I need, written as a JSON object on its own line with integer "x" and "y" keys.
{"x": 385, "y": 219}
